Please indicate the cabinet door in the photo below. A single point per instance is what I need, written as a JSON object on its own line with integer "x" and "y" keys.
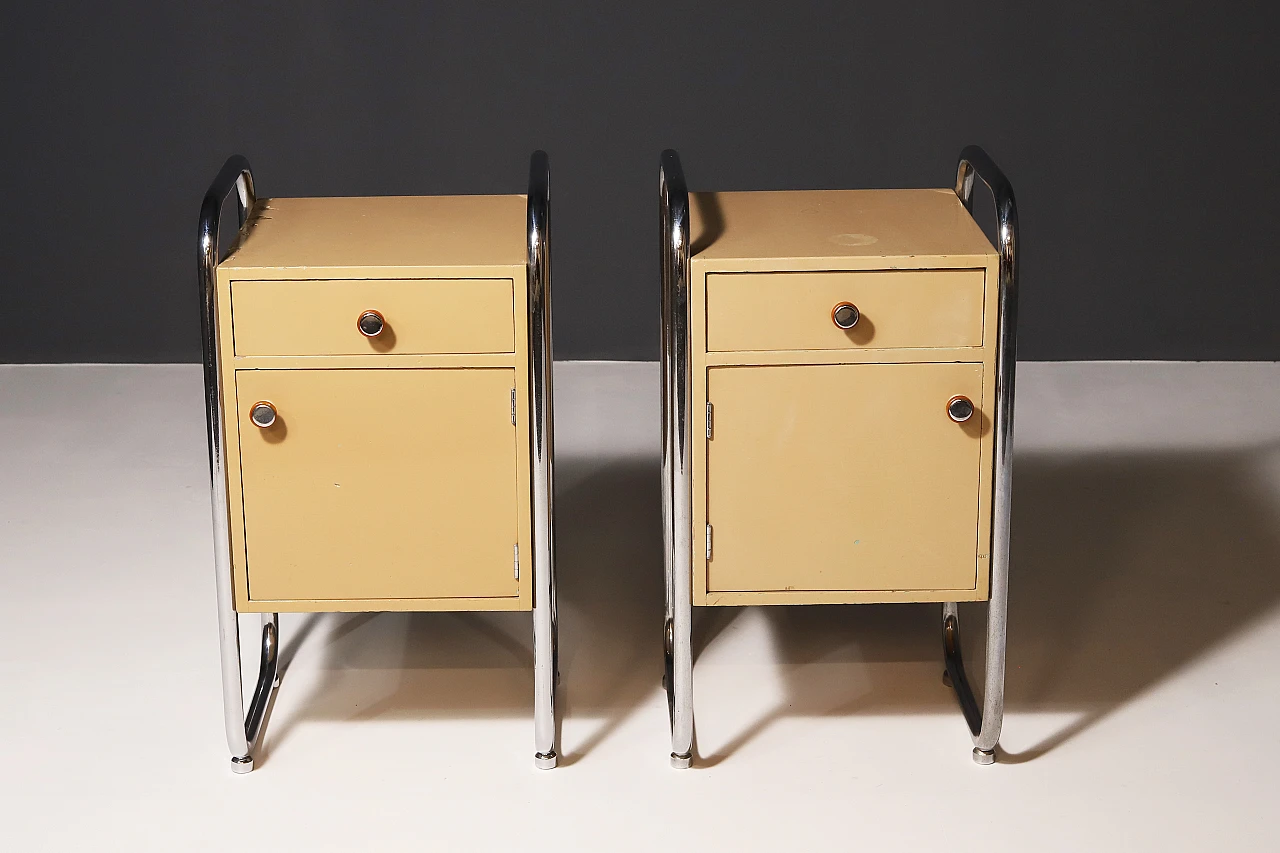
{"x": 843, "y": 477}
{"x": 391, "y": 483}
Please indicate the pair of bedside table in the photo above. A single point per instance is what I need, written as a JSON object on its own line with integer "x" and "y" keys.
{"x": 838, "y": 410}
{"x": 837, "y": 414}
{"x": 378, "y": 393}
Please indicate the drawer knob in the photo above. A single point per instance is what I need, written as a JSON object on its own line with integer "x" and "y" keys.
{"x": 263, "y": 414}
{"x": 960, "y": 409}
{"x": 371, "y": 324}
{"x": 845, "y": 315}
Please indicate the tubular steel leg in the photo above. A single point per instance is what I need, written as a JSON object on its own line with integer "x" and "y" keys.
{"x": 546, "y": 671}
{"x": 985, "y": 723}
{"x": 243, "y": 731}
{"x": 676, "y": 483}
{"x": 263, "y": 691}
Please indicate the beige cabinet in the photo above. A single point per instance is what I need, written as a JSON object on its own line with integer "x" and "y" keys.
{"x": 830, "y": 470}
{"x": 395, "y": 474}
{"x": 378, "y": 391}
{"x": 837, "y": 410}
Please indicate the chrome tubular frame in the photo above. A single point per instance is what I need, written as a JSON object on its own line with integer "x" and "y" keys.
{"x": 243, "y": 731}
{"x": 546, "y": 667}
{"x": 677, "y": 499}
{"x": 985, "y": 723}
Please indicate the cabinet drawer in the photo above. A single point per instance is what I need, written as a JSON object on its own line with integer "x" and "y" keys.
{"x": 379, "y": 483}
{"x": 419, "y": 316}
{"x": 794, "y": 310}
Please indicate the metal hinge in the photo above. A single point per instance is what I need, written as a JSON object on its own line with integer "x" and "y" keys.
{"x": 513, "y": 407}
{"x": 709, "y": 410}
{"x": 708, "y": 541}
{"x": 516, "y": 549}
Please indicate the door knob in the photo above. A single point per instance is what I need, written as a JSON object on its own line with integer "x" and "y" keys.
{"x": 960, "y": 409}
{"x": 845, "y": 315}
{"x": 371, "y": 324}
{"x": 263, "y": 414}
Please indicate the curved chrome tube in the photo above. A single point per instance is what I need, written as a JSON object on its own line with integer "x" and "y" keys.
{"x": 242, "y": 731}
{"x": 546, "y": 667}
{"x": 677, "y": 499}
{"x": 268, "y": 664}
{"x": 985, "y": 724}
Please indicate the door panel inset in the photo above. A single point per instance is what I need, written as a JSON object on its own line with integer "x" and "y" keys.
{"x": 392, "y": 483}
{"x": 843, "y": 477}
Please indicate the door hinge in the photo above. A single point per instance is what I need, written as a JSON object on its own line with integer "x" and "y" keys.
{"x": 709, "y": 410}
{"x": 513, "y": 407}
{"x": 516, "y": 550}
{"x": 708, "y": 541}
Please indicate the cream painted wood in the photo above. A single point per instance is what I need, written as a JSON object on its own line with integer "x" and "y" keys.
{"x": 843, "y": 229}
{"x": 351, "y": 242}
{"x": 382, "y": 233}
{"x": 420, "y": 315}
{"x": 843, "y": 477}
{"x": 793, "y": 310}
{"x": 841, "y": 596}
{"x": 785, "y": 233}
{"x": 379, "y": 605}
{"x": 238, "y": 553}
{"x": 334, "y": 362}
{"x": 849, "y": 356}
{"x": 377, "y": 484}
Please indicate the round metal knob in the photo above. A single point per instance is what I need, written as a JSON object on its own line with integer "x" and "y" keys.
{"x": 371, "y": 324}
{"x": 845, "y": 315}
{"x": 960, "y": 409}
{"x": 263, "y": 414}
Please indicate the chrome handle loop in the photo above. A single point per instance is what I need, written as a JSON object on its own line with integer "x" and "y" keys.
{"x": 546, "y": 658}
{"x": 263, "y": 414}
{"x": 371, "y": 324}
{"x": 845, "y": 315}
{"x": 677, "y": 441}
{"x": 243, "y": 730}
{"x": 985, "y": 722}
{"x": 960, "y": 408}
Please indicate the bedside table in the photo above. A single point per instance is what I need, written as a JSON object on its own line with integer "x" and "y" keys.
{"x": 378, "y": 392}
{"x": 838, "y": 410}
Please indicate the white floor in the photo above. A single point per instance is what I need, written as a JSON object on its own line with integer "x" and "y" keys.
{"x": 1142, "y": 689}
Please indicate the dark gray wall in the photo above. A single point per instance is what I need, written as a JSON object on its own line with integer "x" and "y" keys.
{"x": 1139, "y": 143}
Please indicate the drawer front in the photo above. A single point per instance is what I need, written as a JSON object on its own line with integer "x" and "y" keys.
{"x": 376, "y": 484}
{"x": 420, "y": 316}
{"x": 794, "y": 311}
{"x": 845, "y": 477}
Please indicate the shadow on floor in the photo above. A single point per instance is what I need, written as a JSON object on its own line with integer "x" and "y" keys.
{"x": 1125, "y": 569}
{"x": 609, "y": 567}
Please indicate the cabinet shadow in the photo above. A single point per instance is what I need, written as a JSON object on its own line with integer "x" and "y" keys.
{"x": 1126, "y": 567}
{"x": 363, "y": 666}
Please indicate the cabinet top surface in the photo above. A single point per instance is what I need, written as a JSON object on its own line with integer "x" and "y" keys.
{"x": 383, "y": 231}
{"x": 835, "y": 224}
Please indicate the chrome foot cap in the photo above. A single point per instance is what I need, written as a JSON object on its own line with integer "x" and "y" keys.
{"x": 241, "y": 763}
{"x": 545, "y": 761}
{"x": 984, "y": 758}
{"x": 681, "y": 762}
